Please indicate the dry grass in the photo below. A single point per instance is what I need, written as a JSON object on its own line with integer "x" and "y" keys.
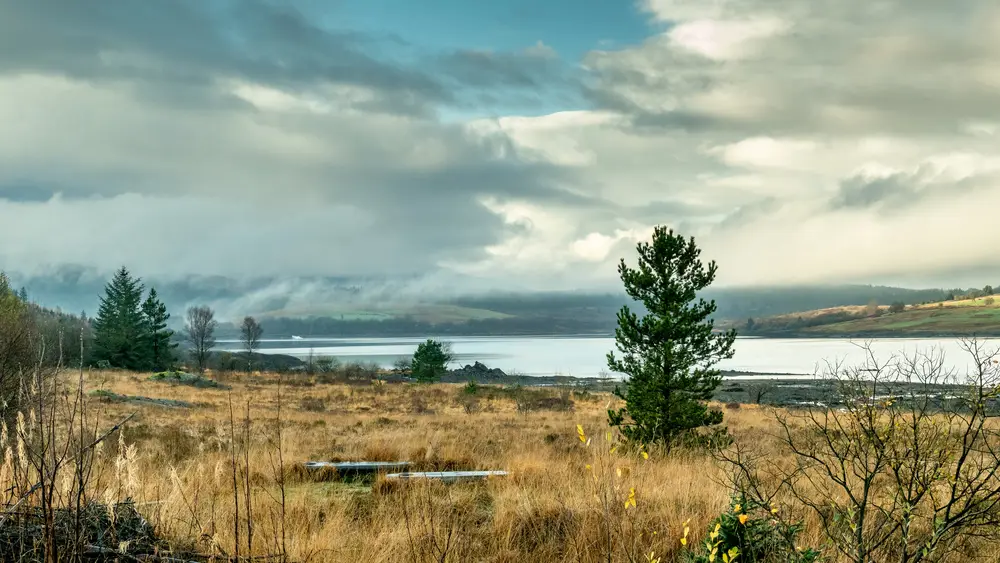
{"x": 562, "y": 501}
{"x": 545, "y": 510}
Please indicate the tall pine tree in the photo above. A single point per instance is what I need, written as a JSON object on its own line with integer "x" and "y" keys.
{"x": 669, "y": 355}
{"x": 159, "y": 349}
{"x": 119, "y": 328}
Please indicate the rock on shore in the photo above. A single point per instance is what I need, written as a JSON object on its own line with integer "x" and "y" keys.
{"x": 478, "y": 371}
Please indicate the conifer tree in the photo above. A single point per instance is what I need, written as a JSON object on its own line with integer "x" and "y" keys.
{"x": 159, "y": 349}
{"x": 119, "y": 328}
{"x": 668, "y": 355}
{"x": 430, "y": 361}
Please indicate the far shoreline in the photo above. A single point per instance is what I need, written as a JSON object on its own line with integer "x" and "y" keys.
{"x": 894, "y": 335}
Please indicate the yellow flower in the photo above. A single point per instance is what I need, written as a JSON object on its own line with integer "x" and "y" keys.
{"x": 715, "y": 533}
{"x": 743, "y": 518}
{"x": 738, "y": 508}
{"x": 774, "y": 509}
{"x": 580, "y": 433}
{"x": 589, "y": 467}
{"x": 684, "y": 541}
{"x": 645, "y": 455}
{"x": 630, "y": 501}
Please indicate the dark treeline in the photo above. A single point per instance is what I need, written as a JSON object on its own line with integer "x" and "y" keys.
{"x": 32, "y": 334}
{"x": 31, "y": 337}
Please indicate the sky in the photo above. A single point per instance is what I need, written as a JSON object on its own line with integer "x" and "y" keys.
{"x": 525, "y": 144}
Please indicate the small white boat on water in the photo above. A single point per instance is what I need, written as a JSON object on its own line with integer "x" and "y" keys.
{"x": 294, "y": 337}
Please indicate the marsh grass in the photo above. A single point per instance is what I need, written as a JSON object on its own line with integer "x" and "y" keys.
{"x": 225, "y": 478}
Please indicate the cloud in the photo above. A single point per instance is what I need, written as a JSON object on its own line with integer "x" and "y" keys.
{"x": 797, "y": 142}
{"x": 801, "y": 143}
{"x": 812, "y": 67}
{"x": 187, "y": 46}
{"x": 723, "y": 40}
{"x": 247, "y": 138}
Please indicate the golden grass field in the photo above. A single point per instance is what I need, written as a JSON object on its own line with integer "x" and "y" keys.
{"x": 562, "y": 501}
{"x": 545, "y": 510}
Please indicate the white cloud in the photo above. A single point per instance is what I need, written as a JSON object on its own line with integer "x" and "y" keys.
{"x": 799, "y": 141}
{"x": 844, "y": 144}
{"x": 767, "y": 152}
{"x": 723, "y": 40}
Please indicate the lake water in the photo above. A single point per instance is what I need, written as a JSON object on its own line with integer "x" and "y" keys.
{"x": 586, "y": 356}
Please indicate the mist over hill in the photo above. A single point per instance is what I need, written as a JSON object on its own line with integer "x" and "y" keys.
{"x": 344, "y": 306}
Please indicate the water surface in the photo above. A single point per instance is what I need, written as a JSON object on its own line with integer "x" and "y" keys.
{"x": 582, "y": 356}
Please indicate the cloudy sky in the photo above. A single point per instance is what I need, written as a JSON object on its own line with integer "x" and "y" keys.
{"x": 524, "y": 143}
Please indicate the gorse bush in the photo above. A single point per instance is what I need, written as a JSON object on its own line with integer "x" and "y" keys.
{"x": 471, "y": 388}
{"x": 616, "y": 484}
{"x": 750, "y": 532}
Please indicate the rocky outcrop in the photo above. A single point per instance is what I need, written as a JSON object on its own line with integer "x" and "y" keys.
{"x": 477, "y": 371}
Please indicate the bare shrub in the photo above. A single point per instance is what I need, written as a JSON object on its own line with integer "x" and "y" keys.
{"x": 312, "y": 404}
{"x": 757, "y": 391}
{"x": 470, "y": 404}
{"x": 418, "y": 404}
{"x": 895, "y": 473}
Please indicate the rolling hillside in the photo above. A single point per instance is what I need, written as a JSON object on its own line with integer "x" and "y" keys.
{"x": 962, "y": 317}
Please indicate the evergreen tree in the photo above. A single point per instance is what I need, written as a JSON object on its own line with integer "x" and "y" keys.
{"x": 17, "y": 348}
{"x": 119, "y": 328}
{"x": 667, "y": 355}
{"x": 430, "y": 361}
{"x": 159, "y": 349}
{"x": 23, "y": 294}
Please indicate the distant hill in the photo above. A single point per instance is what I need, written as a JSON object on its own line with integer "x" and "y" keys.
{"x": 959, "y": 317}
{"x": 745, "y": 303}
{"x": 564, "y": 313}
{"x": 339, "y": 306}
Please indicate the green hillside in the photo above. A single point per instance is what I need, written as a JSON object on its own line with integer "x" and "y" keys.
{"x": 963, "y": 317}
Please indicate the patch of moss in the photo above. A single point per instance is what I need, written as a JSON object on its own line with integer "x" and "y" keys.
{"x": 190, "y": 379}
{"x": 108, "y": 396}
